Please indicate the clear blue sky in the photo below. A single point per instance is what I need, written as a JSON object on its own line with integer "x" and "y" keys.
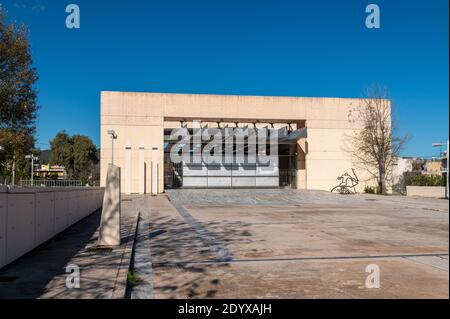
{"x": 259, "y": 47}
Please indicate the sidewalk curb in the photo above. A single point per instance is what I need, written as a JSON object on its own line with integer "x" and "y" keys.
{"x": 120, "y": 287}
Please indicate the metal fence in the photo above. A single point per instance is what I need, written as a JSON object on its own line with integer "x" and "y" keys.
{"x": 5, "y": 180}
{"x": 50, "y": 183}
{"x": 288, "y": 178}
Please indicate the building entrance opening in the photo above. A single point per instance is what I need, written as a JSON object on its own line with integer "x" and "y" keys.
{"x": 280, "y": 171}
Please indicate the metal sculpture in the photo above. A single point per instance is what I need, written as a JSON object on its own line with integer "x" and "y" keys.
{"x": 347, "y": 183}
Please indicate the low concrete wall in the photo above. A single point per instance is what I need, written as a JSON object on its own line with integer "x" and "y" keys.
{"x": 31, "y": 216}
{"x": 426, "y": 191}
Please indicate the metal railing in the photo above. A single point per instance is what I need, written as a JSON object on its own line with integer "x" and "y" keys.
{"x": 5, "y": 180}
{"x": 50, "y": 183}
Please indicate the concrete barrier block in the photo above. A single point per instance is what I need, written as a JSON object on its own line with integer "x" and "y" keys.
{"x": 100, "y": 198}
{"x": 45, "y": 217}
{"x": 82, "y": 198}
{"x": 20, "y": 230}
{"x": 92, "y": 198}
{"x": 93, "y": 201}
{"x": 30, "y": 216}
{"x": 74, "y": 204}
{"x": 426, "y": 191}
{"x": 3, "y": 210}
{"x": 60, "y": 212}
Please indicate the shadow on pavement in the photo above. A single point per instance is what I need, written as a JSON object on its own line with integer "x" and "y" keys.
{"x": 29, "y": 276}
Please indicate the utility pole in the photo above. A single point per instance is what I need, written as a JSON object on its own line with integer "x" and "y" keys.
{"x": 113, "y": 136}
{"x": 13, "y": 170}
{"x": 33, "y": 158}
{"x": 1, "y": 149}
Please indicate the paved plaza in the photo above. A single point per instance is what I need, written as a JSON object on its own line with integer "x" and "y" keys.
{"x": 296, "y": 244}
{"x": 249, "y": 244}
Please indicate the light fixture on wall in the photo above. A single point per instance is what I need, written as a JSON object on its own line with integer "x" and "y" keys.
{"x": 113, "y": 136}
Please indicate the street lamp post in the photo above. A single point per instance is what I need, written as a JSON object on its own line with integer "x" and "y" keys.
{"x": 446, "y": 169}
{"x": 32, "y": 158}
{"x": 113, "y": 136}
{"x": 13, "y": 170}
{"x": 1, "y": 149}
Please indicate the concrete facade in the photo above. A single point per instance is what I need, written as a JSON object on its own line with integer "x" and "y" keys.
{"x": 139, "y": 120}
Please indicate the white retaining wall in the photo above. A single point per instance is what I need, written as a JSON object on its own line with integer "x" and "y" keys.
{"x": 31, "y": 216}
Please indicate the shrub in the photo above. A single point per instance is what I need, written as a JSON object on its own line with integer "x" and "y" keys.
{"x": 370, "y": 190}
{"x": 426, "y": 180}
{"x": 133, "y": 279}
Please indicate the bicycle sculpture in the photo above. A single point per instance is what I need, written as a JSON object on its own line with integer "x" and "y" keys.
{"x": 347, "y": 183}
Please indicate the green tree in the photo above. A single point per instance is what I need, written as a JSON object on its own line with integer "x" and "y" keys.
{"x": 84, "y": 158}
{"x": 18, "y": 107}
{"x": 61, "y": 152}
{"x": 78, "y": 154}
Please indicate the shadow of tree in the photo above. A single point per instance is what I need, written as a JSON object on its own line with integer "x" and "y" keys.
{"x": 184, "y": 263}
{"x": 42, "y": 272}
{"x": 37, "y": 268}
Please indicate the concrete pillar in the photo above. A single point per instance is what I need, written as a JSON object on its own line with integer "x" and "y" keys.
{"x": 110, "y": 222}
{"x": 154, "y": 171}
{"x": 142, "y": 169}
{"x": 127, "y": 169}
{"x": 302, "y": 146}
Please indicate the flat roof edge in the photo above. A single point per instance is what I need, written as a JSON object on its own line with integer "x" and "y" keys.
{"x": 234, "y": 95}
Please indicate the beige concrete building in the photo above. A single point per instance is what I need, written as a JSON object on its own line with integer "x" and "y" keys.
{"x": 142, "y": 122}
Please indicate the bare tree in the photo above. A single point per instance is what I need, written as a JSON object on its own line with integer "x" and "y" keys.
{"x": 373, "y": 144}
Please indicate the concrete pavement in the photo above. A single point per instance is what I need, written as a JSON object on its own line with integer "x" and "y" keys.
{"x": 294, "y": 244}
{"x": 249, "y": 244}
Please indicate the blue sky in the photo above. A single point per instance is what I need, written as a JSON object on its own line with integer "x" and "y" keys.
{"x": 253, "y": 47}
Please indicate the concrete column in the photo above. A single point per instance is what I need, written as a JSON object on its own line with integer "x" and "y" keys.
{"x": 110, "y": 222}
{"x": 142, "y": 169}
{"x": 127, "y": 169}
{"x": 155, "y": 170}
{"x": 301, "y": 163}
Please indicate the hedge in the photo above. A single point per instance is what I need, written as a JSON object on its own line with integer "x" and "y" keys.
{"x": 427, "y": 180}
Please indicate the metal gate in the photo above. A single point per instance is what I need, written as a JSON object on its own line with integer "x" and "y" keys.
{"x": 288, "y": 178}
{"x": 173, "y": 175}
